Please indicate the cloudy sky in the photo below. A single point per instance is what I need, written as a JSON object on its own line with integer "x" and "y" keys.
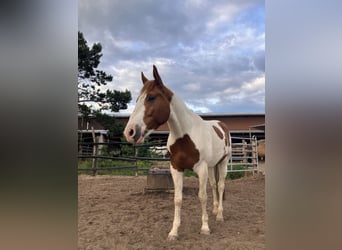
{"x": 210, "y": 53}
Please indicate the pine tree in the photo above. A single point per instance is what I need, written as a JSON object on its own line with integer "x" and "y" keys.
{"x": 91, "y": 82}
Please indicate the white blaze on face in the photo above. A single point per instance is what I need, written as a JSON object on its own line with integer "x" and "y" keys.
{"x": 137, "y": 117}
{"x": 135, "y": 128}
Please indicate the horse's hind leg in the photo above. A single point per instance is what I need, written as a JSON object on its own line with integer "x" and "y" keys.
{"x": 222, "y": 168}
{"x": 213, "y": 184}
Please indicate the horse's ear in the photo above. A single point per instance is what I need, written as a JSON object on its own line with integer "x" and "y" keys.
{"x": 156, "y": 76}
{"x": 143, "y": 78}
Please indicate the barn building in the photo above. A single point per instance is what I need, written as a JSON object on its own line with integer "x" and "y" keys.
{"x": 243, "y": 128}
{"x": 239, "y": 124}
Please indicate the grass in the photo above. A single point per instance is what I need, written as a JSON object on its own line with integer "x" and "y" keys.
{"x": 236, "y": 175}
{"x": 230, "y": 175}
{"x": 143, "y": 166}
{"x": 101, "y": 163}
{"x": 189, "y": 173}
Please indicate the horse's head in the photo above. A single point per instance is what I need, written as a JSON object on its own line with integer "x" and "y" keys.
{"x": 151, "y": 110}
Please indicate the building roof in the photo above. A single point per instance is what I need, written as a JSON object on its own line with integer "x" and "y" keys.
{"x": 126, "y": 115}
{"x": 96, "y": 131}
{"x": 259, "y": 126}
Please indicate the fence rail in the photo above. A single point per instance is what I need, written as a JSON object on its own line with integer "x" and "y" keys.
{"x": 244, "y": 155}
{"x": 120, "y": 155}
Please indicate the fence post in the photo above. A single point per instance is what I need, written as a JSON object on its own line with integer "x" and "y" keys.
{"x": 94, "y": 164}
{"x": 136, "y": 160}
{"x": 254, "y": 153}
{"x": 244, "y": 151}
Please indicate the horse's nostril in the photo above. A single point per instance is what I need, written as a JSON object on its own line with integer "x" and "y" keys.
{"x": 131, "y": 132}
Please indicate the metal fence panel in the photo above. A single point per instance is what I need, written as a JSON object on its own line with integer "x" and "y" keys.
{"x": 244, "y": 154}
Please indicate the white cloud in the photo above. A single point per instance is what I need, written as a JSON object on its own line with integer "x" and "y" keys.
{"x": 198, "y": 108}
{"x": 210, "y": 53}
{"x": 222, "y": 14}
{"x": 213, "y": 100}
{"x": 257, "y": 84}
{"x": 192, "y": 87}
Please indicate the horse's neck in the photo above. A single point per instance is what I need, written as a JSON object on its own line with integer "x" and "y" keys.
{"x": 181, "y": 118}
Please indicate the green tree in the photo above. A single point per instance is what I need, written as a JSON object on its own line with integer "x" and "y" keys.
{"x": 91, "y": 81}
{"x": 109, "y": 122}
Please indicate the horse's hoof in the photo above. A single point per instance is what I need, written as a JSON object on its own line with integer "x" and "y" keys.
{"x": 172, "y": 237}
{"x": 219, "y": 218}
{"x": 205, "y": 231}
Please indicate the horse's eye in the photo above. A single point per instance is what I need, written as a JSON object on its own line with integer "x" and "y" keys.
{"x": 150, "y": 98}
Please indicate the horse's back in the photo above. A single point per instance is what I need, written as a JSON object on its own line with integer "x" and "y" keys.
{"x": 214, "y": 142}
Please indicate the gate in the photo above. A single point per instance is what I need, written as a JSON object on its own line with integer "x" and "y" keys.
{"x": 244, "y": 156}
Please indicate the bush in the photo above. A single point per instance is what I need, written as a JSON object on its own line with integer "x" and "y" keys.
{"x": 103, "y": 163}
{"x": 230, "y": 175}
{"x": 236, "y": 175}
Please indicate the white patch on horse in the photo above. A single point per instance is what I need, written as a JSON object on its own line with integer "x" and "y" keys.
{"x": 193, "y": 143}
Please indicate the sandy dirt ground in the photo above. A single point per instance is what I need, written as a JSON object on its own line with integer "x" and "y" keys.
{"x": 115, "y": 213}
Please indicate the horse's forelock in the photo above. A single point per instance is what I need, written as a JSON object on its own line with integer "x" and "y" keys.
{"x": 148, "y": 86}
{"x": 151, "y": 85}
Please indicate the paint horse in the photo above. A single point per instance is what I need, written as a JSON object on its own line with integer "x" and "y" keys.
{"x": 202, "y": 146}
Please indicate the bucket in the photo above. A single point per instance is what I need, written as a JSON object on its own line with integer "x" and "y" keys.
{"x": 159, "y": 180}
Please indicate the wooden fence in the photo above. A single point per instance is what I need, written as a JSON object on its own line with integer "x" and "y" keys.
{"x": 244, "y": 155}
{"x": 122, "y": 152}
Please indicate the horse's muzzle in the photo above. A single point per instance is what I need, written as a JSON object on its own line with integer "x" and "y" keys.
{"x": 133, "y": 134}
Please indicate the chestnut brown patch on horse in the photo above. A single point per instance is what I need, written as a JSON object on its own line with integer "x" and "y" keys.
{"x": 184, "y": 154}
{"x": 157, "y": 104}
{"x": 157, "y": 101}
{"x": 218, "y": 132}
{"x": 225, "y": 129}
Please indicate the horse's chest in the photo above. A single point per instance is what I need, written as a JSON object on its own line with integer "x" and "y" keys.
{"x": 183, "y": 153}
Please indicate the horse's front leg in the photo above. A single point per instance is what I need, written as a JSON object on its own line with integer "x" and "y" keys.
{"x": 177, "y": 177}
{"x": 202, "y": 171}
